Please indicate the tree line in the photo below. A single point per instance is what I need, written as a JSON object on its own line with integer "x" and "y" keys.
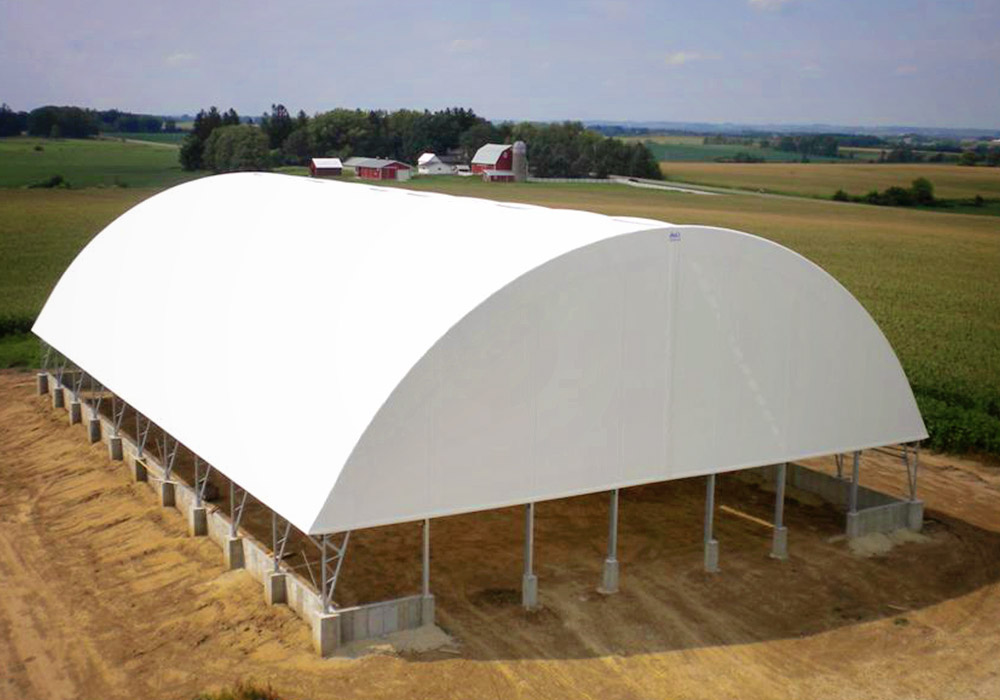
{"x": 221, "y": 143}
{"x": 51, "y": 121}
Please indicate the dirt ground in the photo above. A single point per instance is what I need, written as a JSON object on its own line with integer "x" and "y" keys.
{"x": 103, "y": 595}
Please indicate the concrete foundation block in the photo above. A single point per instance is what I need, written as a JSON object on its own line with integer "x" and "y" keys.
{"x": 326, "y": 634}
{"x": 139, "y": 472}
{"x": 233, "y": 553}
{"x": 915, "y": 515}
{"x": 276, "y": 589}
{"x": 115, "y": 449}
{"x": 779, "y": 543}
{"x": 168, "y": 493}
{"x": 42, "y": 383}
{"x": 75, "y": 412}
{"x": 712, "y": 556}
{"x": 529, "y": 591}
{"x": 58, "y": 398}
{"x": 94, "y": 430}
{"x": 198, "y": 522}
{"x": 427, "y": 610}
{"x": 609, "y": 579}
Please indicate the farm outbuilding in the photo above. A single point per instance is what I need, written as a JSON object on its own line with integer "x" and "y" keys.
{"x": 325, "y": 167}
{"x": 379, "y": 168}
{"x": 538, "y": 355}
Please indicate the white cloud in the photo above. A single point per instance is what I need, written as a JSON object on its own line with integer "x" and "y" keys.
{"x": 811, "y": 70}
{"x": 679, "y": 58}
{"x": 768, "y": 5}
{"x": 179, "y": 59}
{"x": 466, "y": 45}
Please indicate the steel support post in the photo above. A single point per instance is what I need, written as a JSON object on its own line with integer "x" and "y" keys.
{"x": 427, "y": 602}
{"x": 168, "y": 455}
{"x": 276, "y": 583}
{"x": 779, "y": 543}
{"x": 529, "y": 582}
{"x": 609, "y": 577}
{"x": 915, "y": 512}
{"x": 855, "y": 472}
{"x": 711, "y": 544}
{"x": 331, "y": 559}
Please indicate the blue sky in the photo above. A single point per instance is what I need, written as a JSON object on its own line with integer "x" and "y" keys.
{"x": 874, "y": 62}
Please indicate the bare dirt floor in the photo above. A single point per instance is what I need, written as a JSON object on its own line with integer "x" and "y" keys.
{"x": 103, "y": 594}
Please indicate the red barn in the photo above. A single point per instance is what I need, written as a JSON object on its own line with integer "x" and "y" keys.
{"x": 379, "y": 169}
{"x": 325, "y": 167}
{"x": 493, "y": 156}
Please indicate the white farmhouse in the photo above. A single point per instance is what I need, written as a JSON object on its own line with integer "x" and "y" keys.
{"x": 430, "y": 164}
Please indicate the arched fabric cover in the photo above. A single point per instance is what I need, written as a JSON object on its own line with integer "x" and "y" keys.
{"x": 357, "y": 356}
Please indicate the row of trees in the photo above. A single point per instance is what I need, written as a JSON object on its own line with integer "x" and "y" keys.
{"x": 919, "y": 193}
{"x": 76, "y": 122}
{"x": 555, "y": 150}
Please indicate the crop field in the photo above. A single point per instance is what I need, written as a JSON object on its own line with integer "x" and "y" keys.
{"x": 929, "y": 279}
{"x": 687, "y": 148}
{"x": 26, "y": 161}
{"x": 823, "y": 179}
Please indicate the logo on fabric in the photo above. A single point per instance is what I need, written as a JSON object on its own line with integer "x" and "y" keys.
{"x": 675, "y": 236}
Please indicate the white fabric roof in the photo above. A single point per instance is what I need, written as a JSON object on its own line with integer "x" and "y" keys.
{"x": 393, "y": 362}
{"x": 426, "y": 158}
{"x": 327, "y": 162}
{"x": 490, "y": 153}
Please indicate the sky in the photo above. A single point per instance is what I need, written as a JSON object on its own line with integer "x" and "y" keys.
{"x": 850, "y": 62}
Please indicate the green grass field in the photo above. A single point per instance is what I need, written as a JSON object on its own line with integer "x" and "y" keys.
{"x": 88, "y": 163}
{"x": 930, "y": 280}
{"x": 823, "y": 179}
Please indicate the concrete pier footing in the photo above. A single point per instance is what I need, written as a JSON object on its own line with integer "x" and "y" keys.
{"x": 233, "y": 553}
{"x": 42, "y": 383}
{"x": 58, "y": 397}
{"x": 529, "y": 591}
{"x": 168, "y": 493}
{"x": 94, "y": 430}
{"x": 75, "y": 412}
{"x": 326, "y": 633}
{"x": 276, "y": 589}
{"x": 779, "y": 543}
{"x": 139, "y": 471}
{"x": 609, "y": 578}
{"x": 115, "y": 449}
{"x": 198, "y": 522}
{"x": 712, "y": 556}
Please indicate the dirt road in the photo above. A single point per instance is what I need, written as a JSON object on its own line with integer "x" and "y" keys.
{"x": 102, "y": 594}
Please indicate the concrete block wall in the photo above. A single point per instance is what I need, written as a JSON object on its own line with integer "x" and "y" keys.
{"x": 356, "y": 623}
{"x": 877, "y": 512}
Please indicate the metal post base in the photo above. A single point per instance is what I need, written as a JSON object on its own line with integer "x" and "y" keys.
{"x": 42, "y": 383}
{"x": 609, "y": 581}
{"x": 915, "y": 515}
{"x": 233, "y": 551}
{"x": 779, "y": 545}
{"x": 326, "y": 634}
{"x": 276, "y": 589}
{"x": 75, "y": 412}
{"x": 139, "y": 472}
{"x": 58, "y": 398}
{"x": 427, "y": 610}
{"x": 94, "y": 430}
{"x": 115, "y": 449}
{"x": 167, "y": 494}
{"x": 198, "y": 522}
{"x": 529, "y": 591}
{"x": 853, "y": 528}
{"x": 712, "y": 556}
